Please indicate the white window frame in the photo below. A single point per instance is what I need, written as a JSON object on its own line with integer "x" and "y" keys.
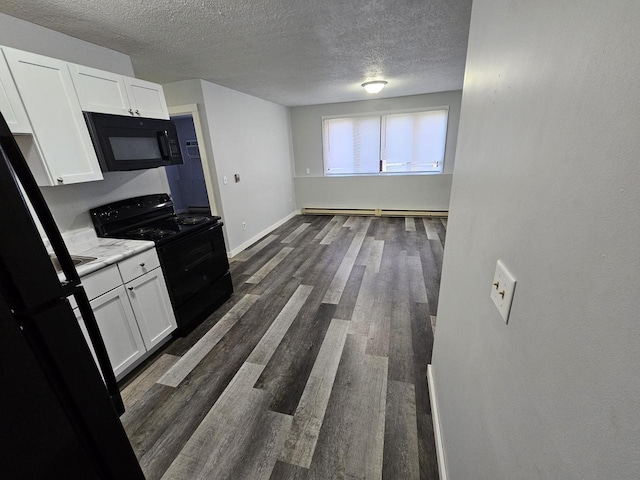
{"x": 382, "y": 114}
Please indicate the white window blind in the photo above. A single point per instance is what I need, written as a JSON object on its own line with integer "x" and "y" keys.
{"x": 414, "y": 142}
{"x": 351, "y": 145}
{"x": 409, "y": 142}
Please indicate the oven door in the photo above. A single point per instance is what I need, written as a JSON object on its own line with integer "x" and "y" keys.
{"x": 124, "y": 143}
{"x": 195, "y": 269}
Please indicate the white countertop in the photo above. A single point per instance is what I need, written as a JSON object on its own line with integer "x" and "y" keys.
{"x": 106, "y": 250}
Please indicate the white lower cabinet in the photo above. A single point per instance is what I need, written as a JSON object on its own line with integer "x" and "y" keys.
{"x": 133, "y": 317}
{"x": 151, "y": 306}
{"x": 119, "y": 329}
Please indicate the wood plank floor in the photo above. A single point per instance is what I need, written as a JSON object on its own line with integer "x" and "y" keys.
{"x": 314, "y": 369}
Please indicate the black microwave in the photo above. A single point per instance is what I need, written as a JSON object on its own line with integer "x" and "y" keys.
{"x": 126, "y": 143}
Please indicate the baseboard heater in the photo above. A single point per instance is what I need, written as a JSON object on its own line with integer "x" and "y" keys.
{"x": 376, "y": 212}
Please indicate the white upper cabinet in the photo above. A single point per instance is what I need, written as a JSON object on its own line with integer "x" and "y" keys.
{"x": 147, "y": 99}
{"x": 106, "y": 92}
{"x": 100, "y": 91}
{"x": 10, "y": 103}
{"x": 61, "y": 152}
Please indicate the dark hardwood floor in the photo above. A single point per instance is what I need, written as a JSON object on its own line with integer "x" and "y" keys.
{"x": 314, "y": 369}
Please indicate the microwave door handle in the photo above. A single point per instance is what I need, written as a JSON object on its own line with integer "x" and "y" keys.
{"x": 163, "y": 142}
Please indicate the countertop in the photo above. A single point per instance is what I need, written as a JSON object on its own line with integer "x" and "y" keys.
{"x": 106, "y": 250}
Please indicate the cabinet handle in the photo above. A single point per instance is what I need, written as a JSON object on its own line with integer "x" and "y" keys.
{"x": 138, "y": 112}
{"x": 60, "y": 180}
{"x": 142, "y": 264}
{"x": 131, "y": 111}
{"x": 130, "y": 289}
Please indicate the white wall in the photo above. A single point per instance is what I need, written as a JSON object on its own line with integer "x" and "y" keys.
{"x": 70, "y": 203}
{"x": 398, "y": 191}
{"x": 546, "y": 178}
{"x": 251, "y": 137}
{"x": 30, "y": 37}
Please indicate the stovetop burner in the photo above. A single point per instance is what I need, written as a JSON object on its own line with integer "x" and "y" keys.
{"x": 191, "y": 219}
{"x": 161, "y": 233}
{"x": 138, "y": 232}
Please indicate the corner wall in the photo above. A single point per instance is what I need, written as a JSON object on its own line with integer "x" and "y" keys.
{"x": 546, "y": 178}
{"x": 70, "y": 204}
{"x": 251, "y": 137}
{"x": 430, "y": 192}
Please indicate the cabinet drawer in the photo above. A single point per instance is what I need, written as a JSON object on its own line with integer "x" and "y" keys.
{"x": 138, "y": 265}
{"x": 99, "y": 282}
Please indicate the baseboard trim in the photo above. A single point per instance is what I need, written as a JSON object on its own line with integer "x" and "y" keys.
{"x": 376, "y": 212}
{"x": 437, "y": 428}
{"x": 255, "y": 238}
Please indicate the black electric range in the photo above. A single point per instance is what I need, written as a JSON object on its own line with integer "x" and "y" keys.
{"x": 191, "y": 249}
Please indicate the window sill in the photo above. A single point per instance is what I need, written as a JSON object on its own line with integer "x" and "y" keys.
{"x": 385, "y": 174}
{"x": 348, "y": 175}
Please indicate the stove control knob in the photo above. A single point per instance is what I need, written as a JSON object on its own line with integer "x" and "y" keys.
{"x": 142, "y": 265}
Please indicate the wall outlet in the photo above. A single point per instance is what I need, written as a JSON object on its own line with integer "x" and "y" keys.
{"x": 504, "y": 285}
{"x": 224, "y": 180}
{"x": 244, "y": 226}
{"x": 236, "y": 177}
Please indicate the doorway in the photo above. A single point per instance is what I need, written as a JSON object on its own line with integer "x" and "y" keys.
{"x": 190, "y": 183}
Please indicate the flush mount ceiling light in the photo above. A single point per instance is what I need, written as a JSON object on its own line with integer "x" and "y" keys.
{"x": 374, "y": 86}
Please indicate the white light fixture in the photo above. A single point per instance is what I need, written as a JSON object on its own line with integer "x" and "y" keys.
{"x": 374, "y": 86}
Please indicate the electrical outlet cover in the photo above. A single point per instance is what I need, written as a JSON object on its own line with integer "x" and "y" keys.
{"x": 506, "y": 283}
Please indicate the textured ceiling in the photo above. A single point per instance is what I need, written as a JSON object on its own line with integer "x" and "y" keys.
{"x": 292, "y": 52}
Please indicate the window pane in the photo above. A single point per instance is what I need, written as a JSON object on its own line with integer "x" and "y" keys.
{"x": 351, "y": 145}
{"x": 414, "y": 142}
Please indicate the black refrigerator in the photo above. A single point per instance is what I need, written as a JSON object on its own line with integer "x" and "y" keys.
{"x": 59, "y": 418}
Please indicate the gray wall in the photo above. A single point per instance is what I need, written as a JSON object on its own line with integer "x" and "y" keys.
{"x": 546, "y": 178}
{"x": 70, "y": 203}
{"x": 251, "y": 137}
{"x": 397, "y": 191}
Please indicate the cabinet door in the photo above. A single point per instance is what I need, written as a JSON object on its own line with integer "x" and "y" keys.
{"x": 100, "y": 91}
{"x": 83, "y": 327}
{"x": 119, "y": 329}
{"x": 152, "y": 307}
{"x": 10, "y": 103}
{"x": 146, "y": 98}
{"x": 53, "y": 108}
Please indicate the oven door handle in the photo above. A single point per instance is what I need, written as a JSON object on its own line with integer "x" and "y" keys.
{"x": 163, "y": 142}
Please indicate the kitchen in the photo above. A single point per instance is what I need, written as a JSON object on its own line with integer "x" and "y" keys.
{"x": 262, "y": 200}
{"x": 287, "y": 379}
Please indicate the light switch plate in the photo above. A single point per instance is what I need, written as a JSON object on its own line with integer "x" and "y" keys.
{"x": 504, "y": 285}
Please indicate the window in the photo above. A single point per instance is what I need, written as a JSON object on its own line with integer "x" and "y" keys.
{"x": 410, "y": 142}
